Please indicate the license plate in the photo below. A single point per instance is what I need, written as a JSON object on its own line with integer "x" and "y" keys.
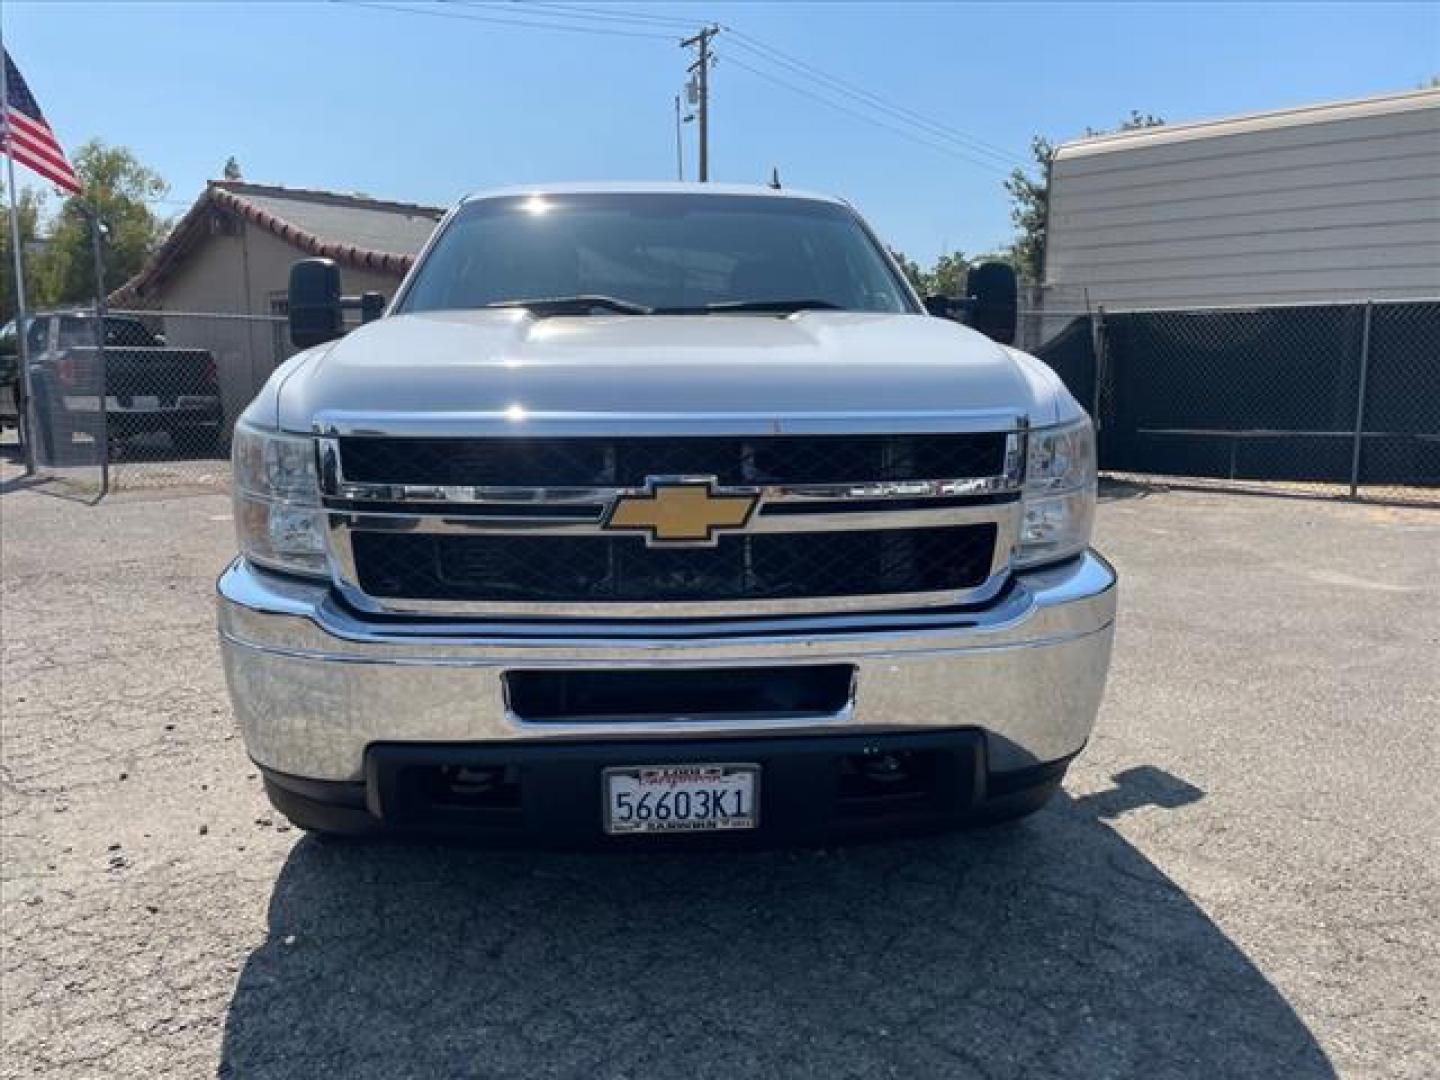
{"x": 681, "y": 798}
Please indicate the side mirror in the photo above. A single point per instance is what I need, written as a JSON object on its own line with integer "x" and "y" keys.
{"x": 943, "y": 307}
{"x": 315, "y": 316}
{"x": 994, "y": 300}
{"x": 372, "y": 306}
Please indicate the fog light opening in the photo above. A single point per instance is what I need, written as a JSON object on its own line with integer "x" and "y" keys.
{"x": 883, "y": 776}
{"x": 886, "y": 769}
{"x": 479, "y": 787}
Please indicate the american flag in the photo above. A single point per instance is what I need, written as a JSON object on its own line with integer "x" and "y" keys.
{"x": 27, "y": 137}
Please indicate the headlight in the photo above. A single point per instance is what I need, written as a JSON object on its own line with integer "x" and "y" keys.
{"x": 1059, "y": 494}
{"x": 278, "y": 519}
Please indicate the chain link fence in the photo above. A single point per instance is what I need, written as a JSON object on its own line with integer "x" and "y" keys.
{"x": 149, "y": 402}
{"x": 58, "y": 391}
{"x": 1047, "y": 312}
{"x": 1400, "y": 403}
{"x": 176, "y": 380}
{"x": 1335, "y": 399}
{"x": 1338, "y": 399}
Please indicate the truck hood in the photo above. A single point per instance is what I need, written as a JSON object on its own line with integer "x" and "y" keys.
{"x": 467, "y": 370}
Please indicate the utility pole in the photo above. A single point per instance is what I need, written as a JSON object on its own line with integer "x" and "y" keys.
{"x": 700, "y": 68}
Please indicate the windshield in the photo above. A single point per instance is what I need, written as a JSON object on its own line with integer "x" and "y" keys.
{"x": 665, "y": 253}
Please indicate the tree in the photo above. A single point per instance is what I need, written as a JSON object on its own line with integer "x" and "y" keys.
{"x": 1030, "y": 198}
{"x": 947, "y": 276}
{"x": 1030, "y": 211}
{"x": 30, "y": 205}
{"x": 121, "y": 188}
{"x": 232, "y": 168}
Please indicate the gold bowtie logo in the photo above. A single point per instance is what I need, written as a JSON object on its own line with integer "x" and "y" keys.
{"x": 681, "y": 511}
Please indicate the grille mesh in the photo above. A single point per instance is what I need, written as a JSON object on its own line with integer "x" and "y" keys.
{"x": 601, "y": 569}
{"x": 626, "y": 462}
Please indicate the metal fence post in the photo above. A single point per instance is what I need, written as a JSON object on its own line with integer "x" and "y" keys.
{"x": 97, "y": 232}
{"x": 27, "y": 414}
{"x": 1101, "y": 350}
{"x": 1360, "y": 400}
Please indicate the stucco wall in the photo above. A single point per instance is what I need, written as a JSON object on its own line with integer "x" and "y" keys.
{"x": 270, "y": 259}
{"x": 239, "y": 273}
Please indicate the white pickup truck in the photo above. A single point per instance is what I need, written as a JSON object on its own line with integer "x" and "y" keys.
{"x": 657, "y": 511}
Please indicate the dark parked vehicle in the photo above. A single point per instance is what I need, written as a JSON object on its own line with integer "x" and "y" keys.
{"x": 148, "y": 386}
{"x": 10, "y": 394}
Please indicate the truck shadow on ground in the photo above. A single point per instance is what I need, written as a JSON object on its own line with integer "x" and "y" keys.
{"x": 1047, "y": 948}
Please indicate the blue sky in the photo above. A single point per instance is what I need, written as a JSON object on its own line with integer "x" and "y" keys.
{"x": 424, "y": 108}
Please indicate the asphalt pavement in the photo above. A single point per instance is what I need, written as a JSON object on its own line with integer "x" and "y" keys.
{"x": 1242, "y": 878}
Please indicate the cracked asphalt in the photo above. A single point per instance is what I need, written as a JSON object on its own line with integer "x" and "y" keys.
{"x": 1240, "y": 880}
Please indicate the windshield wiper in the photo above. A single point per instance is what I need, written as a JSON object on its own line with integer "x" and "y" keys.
{"x": 574, "y": 305}
{"x": 725, "y": 307}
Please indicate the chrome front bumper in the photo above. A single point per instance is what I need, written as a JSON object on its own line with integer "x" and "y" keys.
{"x": 313, "y": 683}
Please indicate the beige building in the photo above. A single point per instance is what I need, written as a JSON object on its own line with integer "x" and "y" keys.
{"x": 219, "y": 280}
{"x": 1325, "y": 203}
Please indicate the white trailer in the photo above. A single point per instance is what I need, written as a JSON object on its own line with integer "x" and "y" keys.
{"x": 1336, "y": 202}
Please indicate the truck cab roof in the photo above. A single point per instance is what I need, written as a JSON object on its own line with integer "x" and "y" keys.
{"x": 648, "y": 187}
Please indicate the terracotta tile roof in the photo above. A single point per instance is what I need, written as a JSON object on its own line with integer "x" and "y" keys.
{"x": 354, "y": 230}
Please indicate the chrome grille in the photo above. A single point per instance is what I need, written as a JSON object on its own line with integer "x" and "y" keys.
{"x": 626, "y": 462}
{"x": 516, "y": 525}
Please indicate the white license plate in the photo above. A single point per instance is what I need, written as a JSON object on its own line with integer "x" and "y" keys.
{"x": 681, "y": 798}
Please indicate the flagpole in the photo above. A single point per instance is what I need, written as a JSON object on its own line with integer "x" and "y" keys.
{"x": 21, "y": 329}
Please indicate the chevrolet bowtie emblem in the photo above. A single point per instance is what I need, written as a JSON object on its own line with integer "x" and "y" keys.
{"x": 682, "y": 511}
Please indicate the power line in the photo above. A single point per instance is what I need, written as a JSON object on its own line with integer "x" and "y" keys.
{"x": 868, "y": 98}
{"x": 767, "y": 53}
{"x": 607, "y": 14}
{"x": 797, "y": 66}
{"x": 505, "y": 20}
{"x": 907, "y": 133}
{"x": 577, "y": 18}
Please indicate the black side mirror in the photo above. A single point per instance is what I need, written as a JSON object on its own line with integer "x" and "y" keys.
{"x": 372, "y": 306}
{"x": 943, "y": 307}
{"x": 315, "y": 315}
{"x": 994, "y": 300}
